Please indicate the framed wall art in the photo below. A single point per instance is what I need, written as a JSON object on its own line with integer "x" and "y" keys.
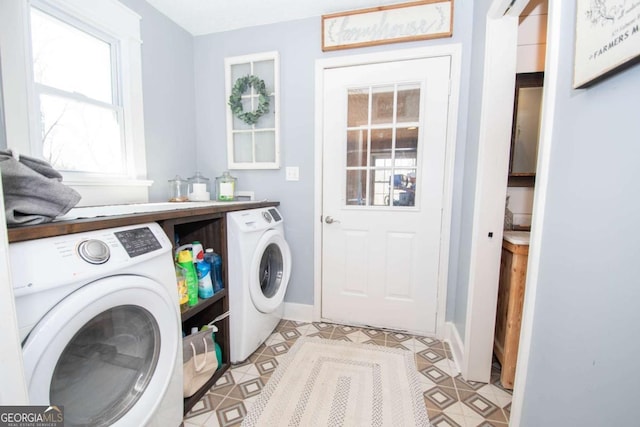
{"x": 607, "y": 39}
{"x": 419, "y": 20}
{"x": 253, "y": 111}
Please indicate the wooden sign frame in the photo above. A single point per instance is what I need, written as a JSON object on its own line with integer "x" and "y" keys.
{"x": 419, "y": 20}
{"x": 607, "y": 39}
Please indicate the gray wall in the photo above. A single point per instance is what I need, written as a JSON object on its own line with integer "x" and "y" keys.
{"x": 298, "y": 43}
{"x": 583, "y": 367}
{"x": 169, "y": 98}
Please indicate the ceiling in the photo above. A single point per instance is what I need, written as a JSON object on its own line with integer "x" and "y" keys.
{"x": 211, "y": 16}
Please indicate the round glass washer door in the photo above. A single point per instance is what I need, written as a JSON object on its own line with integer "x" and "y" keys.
{"x": 106, "y": 359}
{"x": 270, "y": 271}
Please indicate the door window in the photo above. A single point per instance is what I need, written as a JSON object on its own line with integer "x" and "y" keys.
{"x": 382, "y": 145}
{"x": 106, "y": 366}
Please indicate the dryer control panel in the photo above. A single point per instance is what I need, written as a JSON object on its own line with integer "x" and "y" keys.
{"x": 255, "y": 219}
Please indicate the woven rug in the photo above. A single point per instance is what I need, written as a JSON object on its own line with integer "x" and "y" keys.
{"x": 324, "y": 382}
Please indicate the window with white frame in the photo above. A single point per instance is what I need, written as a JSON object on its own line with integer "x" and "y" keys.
{"x": 77, "y": 95}
{"x": 253, "y": 145}
{"x": 82, "y": 107}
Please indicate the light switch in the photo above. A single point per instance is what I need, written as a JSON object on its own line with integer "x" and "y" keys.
{"x": 293, "y": 173}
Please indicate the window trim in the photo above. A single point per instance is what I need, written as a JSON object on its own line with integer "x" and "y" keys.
{"x": 22, "y": 131}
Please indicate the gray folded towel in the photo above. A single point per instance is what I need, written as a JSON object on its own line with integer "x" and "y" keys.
{"x": 33, "y": 190}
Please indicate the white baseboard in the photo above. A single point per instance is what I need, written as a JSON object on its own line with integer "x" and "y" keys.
{"x": 452, "y": 337}
{"x": 298, "y": 312}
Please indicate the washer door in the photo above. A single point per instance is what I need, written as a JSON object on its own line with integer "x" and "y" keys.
{"x": 106, "y": 352}
{"x": 270, "y": 271}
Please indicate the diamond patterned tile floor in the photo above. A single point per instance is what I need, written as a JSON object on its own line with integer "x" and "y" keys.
{"x": 450, "y": 400}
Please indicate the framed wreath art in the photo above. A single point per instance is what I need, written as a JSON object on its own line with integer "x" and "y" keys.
{"x": 252, "y": 101}
{"x": 235, "y": 100}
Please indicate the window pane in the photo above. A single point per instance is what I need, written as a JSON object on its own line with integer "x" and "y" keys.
{"x": 406, "y": 146}
{"x": 81, "y": 137}
{"x": 69, "y": 59}
{"x": 408, "y": 103}
{"x": 246, "y": 106}
{"x": 239, "y": 70}
{"x": 242, "y": 147}
{"x": 268, "y": 120}
{"x": 266, "y": 71}
{"x": 356, "y": 187}
{"x": 404, "y": 187}
{"x": 380, "y": 187}
{"x": 381, "y": 145}
{"x": 357, "y": 141}
{"x": 382, "y": 105}
{"x": 265, "y": 146}
{"x": 358, "y": 107}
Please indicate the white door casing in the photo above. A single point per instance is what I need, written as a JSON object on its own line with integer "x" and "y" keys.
{"x": 398, "y": 269}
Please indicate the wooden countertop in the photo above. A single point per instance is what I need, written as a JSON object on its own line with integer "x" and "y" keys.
{"x": 57, "y": 228}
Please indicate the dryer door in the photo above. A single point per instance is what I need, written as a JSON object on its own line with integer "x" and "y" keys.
{"x": 106, "y": 352}
{"x": 270, "y": 271}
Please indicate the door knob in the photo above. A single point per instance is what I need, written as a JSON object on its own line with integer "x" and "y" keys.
{"x": 330, "y": 220}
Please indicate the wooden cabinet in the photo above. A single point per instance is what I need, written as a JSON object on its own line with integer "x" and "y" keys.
{"x": 513, "y": 273}
{"x": 210, "y": 230}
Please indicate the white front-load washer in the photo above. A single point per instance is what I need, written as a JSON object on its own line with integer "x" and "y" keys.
{"x": 259, "y": 261}
{"x": 99, "y": 321}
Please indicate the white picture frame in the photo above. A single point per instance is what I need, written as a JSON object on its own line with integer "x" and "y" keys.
{"x": 254, "y": 146}
{"x": 607, "y": 39}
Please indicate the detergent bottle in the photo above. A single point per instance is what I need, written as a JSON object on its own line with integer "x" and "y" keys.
{"x": 185, "y": 261}
{"x": 205, "y": 287}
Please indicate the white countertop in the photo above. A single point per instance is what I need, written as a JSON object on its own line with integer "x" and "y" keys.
{"x": 108, "y": 210}
{"x": 517, "y": 237}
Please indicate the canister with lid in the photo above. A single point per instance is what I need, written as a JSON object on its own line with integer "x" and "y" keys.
{"x": 178, "y": 190}
{"x": 226, "y": 187}
{"x": 199, "y": 188}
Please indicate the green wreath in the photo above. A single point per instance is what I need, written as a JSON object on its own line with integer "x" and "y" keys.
{"x": 235, "y": 100}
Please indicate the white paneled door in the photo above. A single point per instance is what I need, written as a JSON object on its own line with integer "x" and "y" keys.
{"x": 384, "y": 144}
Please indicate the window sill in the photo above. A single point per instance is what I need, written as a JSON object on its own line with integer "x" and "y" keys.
{"x": 110, "y": 191}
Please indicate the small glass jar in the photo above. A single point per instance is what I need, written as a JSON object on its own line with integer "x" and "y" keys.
{"x": 199, "y": 188}
{"x": 178, "y": 190}
{"x": 226, "y": 187}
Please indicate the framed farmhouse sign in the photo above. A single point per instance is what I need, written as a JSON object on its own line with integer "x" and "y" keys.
{"x": 419, "y": 20}
{"x": 607, "y": 39}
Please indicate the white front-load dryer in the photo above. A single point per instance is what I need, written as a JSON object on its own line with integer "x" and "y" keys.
{"x": 259, "y": 261}
{"x": 99, "y": 321}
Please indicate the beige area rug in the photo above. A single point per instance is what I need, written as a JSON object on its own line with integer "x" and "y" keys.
{"x": 324, "y": 382}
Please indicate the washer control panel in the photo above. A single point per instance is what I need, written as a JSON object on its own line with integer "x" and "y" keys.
{"x": 138, "y": 241}
{"x": 94, "y": 251}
